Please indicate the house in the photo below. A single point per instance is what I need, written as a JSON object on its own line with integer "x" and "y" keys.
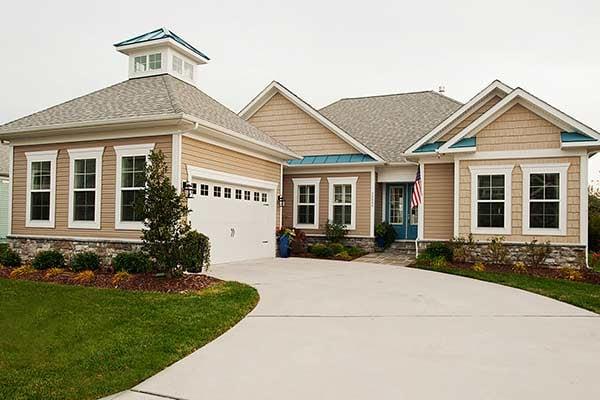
{"x": 3, "y": 191}
{"x": 503, "y": 164}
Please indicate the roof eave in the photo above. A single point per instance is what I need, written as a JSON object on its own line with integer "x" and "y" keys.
{"x": 347, "y": 164}
{"x": 127, "y": 48}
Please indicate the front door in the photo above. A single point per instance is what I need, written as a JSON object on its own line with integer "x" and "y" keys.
{"x": 399, "y": 213}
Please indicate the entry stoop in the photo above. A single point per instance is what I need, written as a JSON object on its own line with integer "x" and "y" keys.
{"x": 400, "y": 253}
{"x": 404, "y": 247}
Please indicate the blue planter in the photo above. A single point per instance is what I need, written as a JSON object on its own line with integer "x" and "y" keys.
{"x": 380, "y": 241}
{"x": 284, "y": 246}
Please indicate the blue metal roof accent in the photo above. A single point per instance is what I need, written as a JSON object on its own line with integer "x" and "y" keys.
{"x": 161, "y": 33}
{"x": 333, "y": 159}
{"x": 464, "y": 142}
{"x": 429, "y": 147}
{"x": 572, "y": 137}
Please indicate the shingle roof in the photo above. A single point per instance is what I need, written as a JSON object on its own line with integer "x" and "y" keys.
{"x": 154, "y": 95}
{"x": 161, "y": 33}
{"x": 389, "y": 124}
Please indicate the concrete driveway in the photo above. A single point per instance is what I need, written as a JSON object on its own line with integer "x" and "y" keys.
{"x": 335, "y": 330}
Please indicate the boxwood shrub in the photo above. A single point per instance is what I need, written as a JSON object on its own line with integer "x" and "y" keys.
{"x": 321, "y": 250}
{"x": 86, "y": 260}
{"x": 438, "y": 249}
{"x": 48, "y": 259}
{"x": 10, "y": 258}
{"x": 134, "y": 262}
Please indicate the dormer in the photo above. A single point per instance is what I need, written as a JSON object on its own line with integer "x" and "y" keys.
{"x": 162, "y": 52}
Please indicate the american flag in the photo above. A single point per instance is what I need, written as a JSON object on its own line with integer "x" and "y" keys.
{"x": 417, "y": 194}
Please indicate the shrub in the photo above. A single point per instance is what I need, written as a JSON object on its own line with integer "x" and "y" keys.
{"x": 497, "y": 251}
{"x": 194, "y": 252}
{"x": 52, "y": 272}
{"x": 134, "y": 262}
{"x": 385, "y": 231}
{"x": 519, "y": 267}
{"x": 335, "y": 233}
{"x": 594, "y": 261}
{"x": 461, "y": 248}
{"x": 355, "y": 251}
{"x": 21, "y": 271}
{"x": 439, "y": 249}
{"x": 320, "y": 250}
{"x": 120, "y": 277}
{"x": 10, "y": 258}
{"x": 336, "y": 247}
{"x": 571, "y": 274}
{"x": 298, "y": 245}
{"x": 439, "y": 262}
{"x": 343, "y": 256}
{"x": 48, "y": 259}
{"x": 478, "y": 267}
{"x": 423, "y": 260}
{"x": 84, "y": 277}
{"x": 537, "y": 253}
{"x": 86, "y": 260}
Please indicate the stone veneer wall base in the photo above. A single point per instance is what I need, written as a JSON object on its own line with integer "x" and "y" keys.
{"x": 366, "y": 243}
{"x": 105, "y": 249}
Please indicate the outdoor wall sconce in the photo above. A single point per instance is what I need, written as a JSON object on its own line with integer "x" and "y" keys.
{"x": 190, "y": 189}
{"x": 281, "y": 201}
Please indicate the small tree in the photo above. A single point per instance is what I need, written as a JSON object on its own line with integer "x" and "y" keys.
{"x": 165, "y": 216}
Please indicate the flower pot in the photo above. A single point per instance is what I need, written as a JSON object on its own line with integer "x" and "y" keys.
{"x": 380, "y": 242}
{"x": 284, "y": 246}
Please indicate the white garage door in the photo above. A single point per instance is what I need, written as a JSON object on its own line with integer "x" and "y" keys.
{"x": 237, "y": 214}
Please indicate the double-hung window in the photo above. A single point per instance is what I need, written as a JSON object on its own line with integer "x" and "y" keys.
{"x": 155, "y": 61}
{"x": 306, "y": 203}
{"x": 342, "y": 201}
{"x": 140, "y": 63}
{"x": 85, "y": 179}
{"x": 41, "y": 184}
{"x": 545, "y": 199}
{"x": 491, "y": 199}
{"x": 131, "y": 165}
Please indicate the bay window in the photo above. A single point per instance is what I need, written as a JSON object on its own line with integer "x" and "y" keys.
{"x": 306, "y": 203}
{"x": 41, "y": 185}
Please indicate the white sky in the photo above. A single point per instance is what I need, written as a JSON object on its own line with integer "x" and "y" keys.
{"x": 323, "y": 50}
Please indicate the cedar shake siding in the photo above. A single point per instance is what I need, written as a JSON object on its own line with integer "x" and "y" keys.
{"x": 287, "y": 123}
{"x": 518, "y": 129}
{"x": 573, "y": 199}
{"x": 438, "y": 201}
{"x": 472, "y": 117}
{"x": 107, "y": 202}
{"x": 363, "y": 201}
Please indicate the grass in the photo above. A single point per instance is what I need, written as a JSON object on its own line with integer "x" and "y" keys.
{"x": 584, "y": 295}
{"x": 69, "y": 342}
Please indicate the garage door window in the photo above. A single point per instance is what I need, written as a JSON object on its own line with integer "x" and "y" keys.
{"x": 203, "y": 190}
{"x": 246, "y": 195}
{"x": 227, "y": 193}
{"x": 217, "y": 191}
{"x": 306, "y": 203}
{"x": 256, "y": 196}
{"x": 238, "y": 194}
{"x": 264, "y": 197}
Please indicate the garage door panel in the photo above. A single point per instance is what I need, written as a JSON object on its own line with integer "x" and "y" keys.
{"x": 238, "y": 229}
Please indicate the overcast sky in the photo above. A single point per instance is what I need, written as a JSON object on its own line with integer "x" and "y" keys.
{"x": 323, "y": 50}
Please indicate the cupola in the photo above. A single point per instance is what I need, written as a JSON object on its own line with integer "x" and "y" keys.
{"x": 161, "y": 52}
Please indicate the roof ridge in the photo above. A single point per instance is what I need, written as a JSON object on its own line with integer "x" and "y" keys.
{"x": 386, "y": 95}
{"x": 63, "y": 103}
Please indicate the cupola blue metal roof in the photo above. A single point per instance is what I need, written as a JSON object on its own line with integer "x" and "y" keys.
{"x": 161, "y": 33}
{"x": 333, "y": 159}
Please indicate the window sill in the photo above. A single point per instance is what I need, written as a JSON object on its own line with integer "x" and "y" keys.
{"x": 544, "y": 232}
{"x": 39, "y": 224}
{"x": 305, "y": 226}
{"x": 84, "y": 225}
{"x": 129, "y": 226}
{"x": 491, "y": 231}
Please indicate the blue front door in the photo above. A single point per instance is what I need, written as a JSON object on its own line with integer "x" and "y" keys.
{"x": 399, "y": 213}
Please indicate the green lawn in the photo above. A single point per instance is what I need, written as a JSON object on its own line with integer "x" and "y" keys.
{"x": 70, "y": 342}
{"x": 584, "y": 295}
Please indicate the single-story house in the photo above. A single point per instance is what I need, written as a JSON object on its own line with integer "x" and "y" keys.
{"x": 504, "y": 164}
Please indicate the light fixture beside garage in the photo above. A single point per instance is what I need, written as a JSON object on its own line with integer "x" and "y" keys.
{"x": 190, "y": 189}
{"x": 281, "y": 201}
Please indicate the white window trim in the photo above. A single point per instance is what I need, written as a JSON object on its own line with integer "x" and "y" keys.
{"x": 127, "y": 151}
{"x": 343, "y": 181}
{"x": 41, "y": 156}
{"x": 505, "y": 170}
{"x": 306, "y": 181}
{"x": 85, "y": 154}
{"x": 561, "y": 169}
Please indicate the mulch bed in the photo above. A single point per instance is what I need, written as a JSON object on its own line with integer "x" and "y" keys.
{"x": 310, "y": 255}
{"x": 587, "y": 275}
{"x": 136, "y": 282}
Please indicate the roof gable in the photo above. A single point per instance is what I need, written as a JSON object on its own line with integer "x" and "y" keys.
{"x": 464, "y": 115}
{"x": 525, "y": 99}
{"x": 276, "y": 89}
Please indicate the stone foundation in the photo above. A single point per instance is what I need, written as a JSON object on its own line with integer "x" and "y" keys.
{"x": 105, "y": 249}
{"x": 561, "y": 256}
{"x": 365, "y": 243}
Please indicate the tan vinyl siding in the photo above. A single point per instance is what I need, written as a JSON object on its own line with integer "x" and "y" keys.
{"x": 107, "y": 201}
{"x": 287, "y": 123}
{"x": 518, "y": 129}
{"x": 438, "y": 201}
{"x": 209, "y": 156}
{"x": 472, "y": 117}
{"x": 363, "y": 201}
{"x": 573, "y": 199}
{"x": 378, "y": 203}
